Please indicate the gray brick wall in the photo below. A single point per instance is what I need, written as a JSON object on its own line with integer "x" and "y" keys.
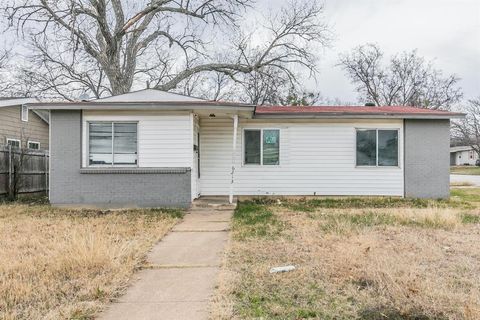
{"x": 427, "y": 156}
{"x": 71, "y": 186}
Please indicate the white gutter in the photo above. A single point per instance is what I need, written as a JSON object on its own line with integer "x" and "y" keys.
{"x": 17, "y": 102}
{"x": 359, "y": 116}
{"x": 154, "y": 105}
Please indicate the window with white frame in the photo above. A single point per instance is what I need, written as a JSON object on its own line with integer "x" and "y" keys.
{"x": 377, "y": 147}
{"x": 33, "y": 145}
{"x": 14, "y": 143}
{"x": 24, "y": 113}
{"x": 112, "y": 143}
{"x": 261, "y": 146}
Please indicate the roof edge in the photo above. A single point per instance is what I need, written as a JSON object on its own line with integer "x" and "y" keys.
{"x": 333, "y": 115}
{"x": 140, "y": 105}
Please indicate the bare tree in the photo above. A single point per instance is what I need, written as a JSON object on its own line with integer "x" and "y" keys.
{"x": 5, "y": 85}
{"x": 53, "y": 74}
{"x": 268, "y": 87}
{"x": 20, "y": 159}
{"x": 408, "y": 80}
{"x": 109, "y": 46}
{"x": 467, "y": 131}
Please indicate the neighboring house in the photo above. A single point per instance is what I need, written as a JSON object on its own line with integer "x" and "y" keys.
{"x": 21, "y": 127}
{"x": 152, "y": 148}
{"x": 463, "y": 156}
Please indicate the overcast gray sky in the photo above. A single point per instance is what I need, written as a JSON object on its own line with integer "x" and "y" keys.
{"x": 446, "y": 31}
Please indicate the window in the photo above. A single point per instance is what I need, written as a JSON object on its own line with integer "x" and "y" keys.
{"x": 262, "y": 146}
{"x": 14, "y": 143}
{"x": 33, "y": 145}
{"x": 24, "y": 113}
{"x": 112, "y": 143}
{"x": 377, "y": 147}
{"x": 271, "y": 147}
{"x": 471, "y": 154}
{"x": 253, "y": 147}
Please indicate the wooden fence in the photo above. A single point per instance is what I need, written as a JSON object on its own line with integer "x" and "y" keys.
{"x": 23, "y": 171}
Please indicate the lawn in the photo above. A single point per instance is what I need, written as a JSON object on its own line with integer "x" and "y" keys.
{"x": 473, "y": 170}
{"x": 67, "y": 264}
{"x": 355, "y": 259}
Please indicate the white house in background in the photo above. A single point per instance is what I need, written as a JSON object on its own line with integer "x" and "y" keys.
{"x": 463, "y": 156}
{"x": 153, "y": 148}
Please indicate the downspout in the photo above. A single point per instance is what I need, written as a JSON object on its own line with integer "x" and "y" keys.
{"x": 234, "y": 148}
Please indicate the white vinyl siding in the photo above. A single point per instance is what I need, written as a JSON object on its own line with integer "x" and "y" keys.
{"x": 164, "y": 139}
{"x": 317, "y": 157}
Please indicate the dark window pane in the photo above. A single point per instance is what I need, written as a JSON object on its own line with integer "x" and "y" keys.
{"x": 271, "y": 146}
{"x": 100, "y": 143}
{"x": 33, "y": 146}
{"x": 252, "y": 146}
{"x": 387, "y": 147}
{"x": 14, "y": 143}
{"x": 366, "y": 148}
{"x": 125, "y": 143}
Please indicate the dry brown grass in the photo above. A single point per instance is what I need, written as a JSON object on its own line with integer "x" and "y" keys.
{"x": 66, "y": 264}
{"x": 405, "y": 263}
{"x": 461, "y": 184}
{"x": 465, "y": 170}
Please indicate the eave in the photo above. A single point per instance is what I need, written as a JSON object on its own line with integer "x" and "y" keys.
{"x": 151, "y": 105}
{"x": 357, "y": 116}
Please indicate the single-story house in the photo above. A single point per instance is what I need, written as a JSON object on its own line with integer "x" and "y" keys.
{"x": 463, "y": 156}
{"x": 153, "y": 148}
{"x": 20, "y": 127}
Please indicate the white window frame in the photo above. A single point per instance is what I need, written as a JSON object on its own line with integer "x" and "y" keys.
{"x": 28, "y": 144}
{"x": 17, "y": 140}
{"x": 87, "y": 145}
{"x": 376, "y": 146}
{"x": 261, "y": 147}
{"x": 24, "y": 113}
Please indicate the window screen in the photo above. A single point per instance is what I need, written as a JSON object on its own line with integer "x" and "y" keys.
{"x": 125, "y": 143}
{"x": 366, "y": 148}
{"x": 33, "y": 145}
{"x": 271, "y": 147}
{"x": 377, "y": 148}
{"x": 387, "y": 147}
{"x": 112, "y": 143}
{"x": 100, "y": 143}
{"x": 252, "y": 147}
{"x": 14, "y": 143}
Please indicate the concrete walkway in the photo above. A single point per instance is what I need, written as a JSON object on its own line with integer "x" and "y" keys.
{"x": 472, "y": 179}
{"x": 182, "y": 269}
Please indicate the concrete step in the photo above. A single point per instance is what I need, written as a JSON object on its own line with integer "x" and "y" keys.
{"x": 214, "y": 202}
{"x": 212, "y": 206}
